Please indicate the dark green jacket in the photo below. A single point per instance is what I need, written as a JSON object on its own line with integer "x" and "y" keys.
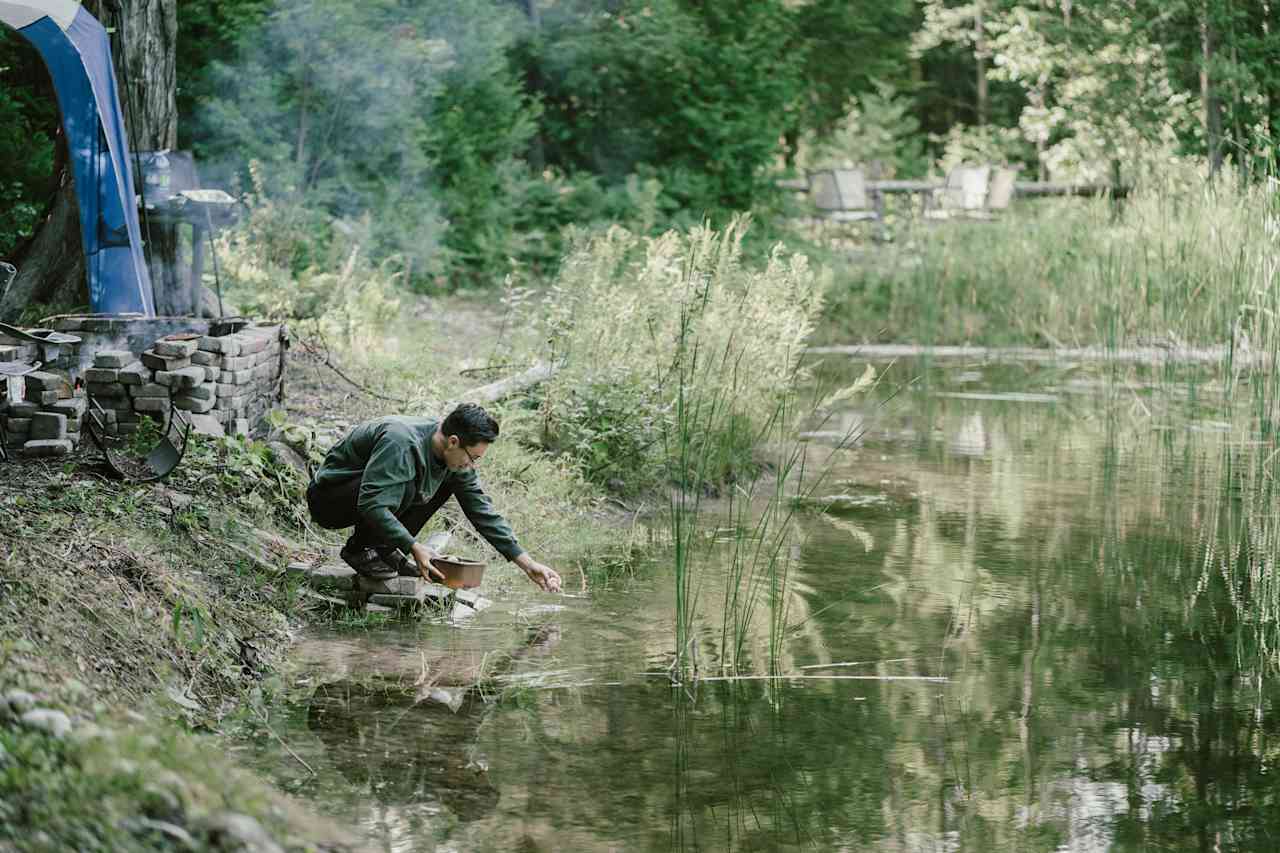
{"x": 393, "y": 455}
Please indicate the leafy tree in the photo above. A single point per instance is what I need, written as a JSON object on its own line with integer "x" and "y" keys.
{"x": 28, "y": 125}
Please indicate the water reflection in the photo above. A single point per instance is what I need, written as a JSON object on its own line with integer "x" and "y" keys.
{"x": 1093, "y": 580}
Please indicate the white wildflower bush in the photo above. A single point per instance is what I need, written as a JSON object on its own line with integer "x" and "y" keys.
{"x": 635, "y": 322}
{"x": 286, "y": 262}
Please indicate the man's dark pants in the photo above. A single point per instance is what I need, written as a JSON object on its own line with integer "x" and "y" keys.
{"x": 333, "y": 507}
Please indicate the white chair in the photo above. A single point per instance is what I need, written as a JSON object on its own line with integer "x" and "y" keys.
{"x": 999, "y": 195}
{"x": 963, "y": 193}
{"x": 840, "y": 195}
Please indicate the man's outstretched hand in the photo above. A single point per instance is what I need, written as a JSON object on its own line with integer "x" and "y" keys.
{"x": 422, "y": 555}
{"x": 545, "y": 577}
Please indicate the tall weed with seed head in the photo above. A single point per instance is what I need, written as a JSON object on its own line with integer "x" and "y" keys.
{"x": 645, "y": 326}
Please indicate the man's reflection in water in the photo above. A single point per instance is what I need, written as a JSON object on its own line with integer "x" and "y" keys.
{"x": 407, "y": 745}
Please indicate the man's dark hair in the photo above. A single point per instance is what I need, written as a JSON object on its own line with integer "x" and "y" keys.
{"x": 471, "y": 424}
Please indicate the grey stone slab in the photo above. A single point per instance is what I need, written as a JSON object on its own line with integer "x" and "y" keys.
{"x": 97, "y": 390}
{"x": 45, "y": 398}
{"x": 184, "y": 377}
{"x": 251, "y": 344}
{"x": 40, "y": 448}
{"x": 155, "y": 361}
{"x": 8, "y": 353}
{"x": 150, "y": 404}
{"x": 113, "y": 358}
{"x": 204, "y": 391}
{"x": 190, "y": 404}
{"x": 74, "y": 408}
{"x": 47, "y": 425}
{"x": 227, "y": 345}
{"x": 150, "y": 389}
{"x": 206, "y": 425}
{"x": 18, "y": 426}
{"x": 176, "y": 349}
{"x": 22, "y": 408}
{"x": 206, "y": 359}
{"x": 135, "y": 373}
{"x": 102, "y": 374}
{"x": 212, "y": 374}
{"x": 231, "y": 403}
{"x": 40, "y": 380}
{"x": 334, "y": 577}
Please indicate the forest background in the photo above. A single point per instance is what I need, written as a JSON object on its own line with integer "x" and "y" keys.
{"x": 459, "y": 141}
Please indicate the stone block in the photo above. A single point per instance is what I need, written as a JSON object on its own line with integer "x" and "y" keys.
{"x": 8, "y": 353}
{"x": 150, "y": 389}
{"x": 40, "y": 380}
{"x": 102, "y": 375}
{"x": 150, "y": 404}
{"x": 251, "y": 343}
{"x": 185, "y": 377}
{"x": 212, "y": 374}
{"x": 113, "y": 358}
{"x": 105, "y": 416}
{"x": 74, "y": 408}
{"x": 44, "y": 398}
{"x": 113, "y": 404}
{"x": 204, "y": 391}
{"x": 190, "y": 404}
{"x": 227, "y": 345}
{"x": 105, "y": 389}
{"x": 398, "y": 586}
{"x": 206, "y": 359}
{"x": 127, "y": 428}
{"x": 240, "y": 426}
{"x": 263, "y": 371}
{"x": 135, "y": 373}
{"x": 237, "y": 362}
{"x": 176, "y": 349}
{"x": 207, "y": 425}
{"x": 225, "y": 403}
{"x": 155, "y": 361}
{"x": 47, "y": 425}
{"x": 236, "y": 377}
{"x": 46, "y": 447}
{"x": 18, "y": 426}
{"x": 22, "y": 408}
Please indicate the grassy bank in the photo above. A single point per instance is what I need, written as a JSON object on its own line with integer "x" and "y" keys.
{"x": 1183, "y": 262}
{"x": 158, "y": 618}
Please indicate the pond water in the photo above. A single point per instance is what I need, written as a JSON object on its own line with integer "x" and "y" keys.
{"x": 1036, "y": 620}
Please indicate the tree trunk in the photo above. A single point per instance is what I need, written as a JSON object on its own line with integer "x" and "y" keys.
{"x": 980, "y": 54}
{"x": 1209, "y": 95}
{"x": 51, "y": 267}
{"x": 144, "y": 37}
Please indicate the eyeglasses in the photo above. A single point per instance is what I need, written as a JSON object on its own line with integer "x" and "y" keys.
{"x": 474, "y": 459}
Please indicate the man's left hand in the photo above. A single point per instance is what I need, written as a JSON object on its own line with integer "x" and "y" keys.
{"x": 545, "y": 577}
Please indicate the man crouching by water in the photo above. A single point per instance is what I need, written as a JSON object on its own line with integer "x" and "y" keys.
{"x": 391, "y": 474}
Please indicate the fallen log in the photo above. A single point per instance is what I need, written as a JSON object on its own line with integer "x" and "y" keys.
{"x": 503, "y": 388}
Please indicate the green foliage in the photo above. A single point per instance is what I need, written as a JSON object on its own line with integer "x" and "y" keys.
{"x": 878, "y": 129}
{"x": 28, "y": 119}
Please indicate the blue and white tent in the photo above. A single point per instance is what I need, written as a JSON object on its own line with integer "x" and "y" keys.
{"x": 77, "y": 52}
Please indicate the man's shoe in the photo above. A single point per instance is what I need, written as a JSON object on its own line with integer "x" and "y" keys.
{"x": 405, "y": 567}
{"x": 366, "y": 563}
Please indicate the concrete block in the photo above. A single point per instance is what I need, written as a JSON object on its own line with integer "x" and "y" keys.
{"x": 42, "y": 381}
{"x": 185, "y": 377}
{"x": 237, "y": 377}
{"x": 74, "y": 408}
{"x": 47, "y": 425}
{"x": 22, "y": 408}
{"x": 227, "y": 345}
{"x": 225, "y": 403}
{"x": 113, "y": 358}
{"x": 105, "y": 389}
{"x": 102, "y": 375}
{"x": 150, "y": 404}
{"x": 240, "y": 426}
{"x": 206, "y": 359}
{"x": 46, "y": 447}
{"x": 18, "y": 426}
{"x": 207, "y": 425}
{"x": 251, "y": 343}
{"x": 237, "y": 362}
{"x": 176, "y": 349}
{"x": 155, "y": 361}
{"x": 150, "y": 389}
{"x": 44, "y": 398}
{"x": 212, "y": 374}
{"x": 190, "y": 404}
{"x": 135, "y": 373}
{"x": 8, "y": 353}
{"x": 204, "y": 391}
